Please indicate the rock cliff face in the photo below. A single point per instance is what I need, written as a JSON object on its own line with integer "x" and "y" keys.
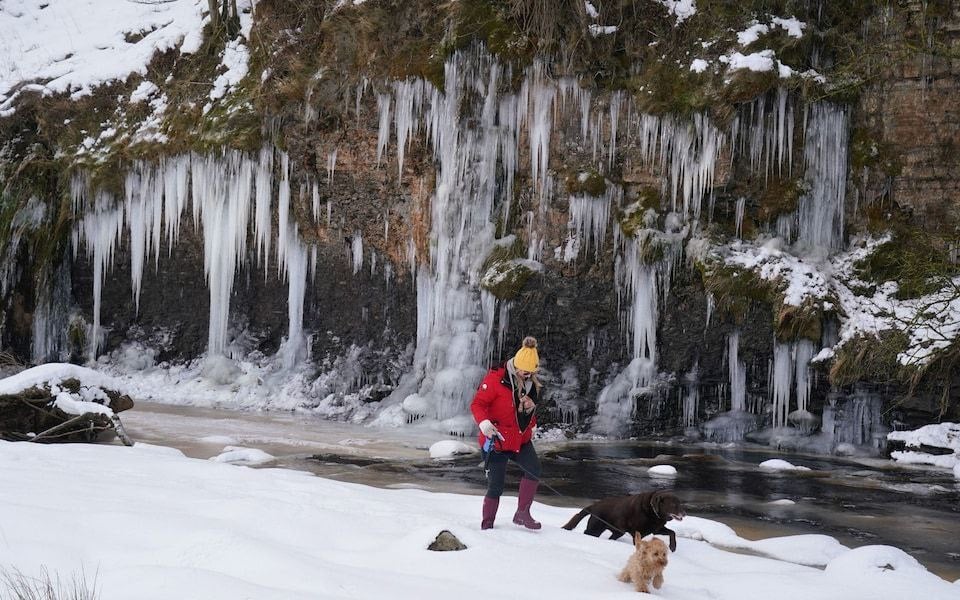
{"x": 684, "y": 211}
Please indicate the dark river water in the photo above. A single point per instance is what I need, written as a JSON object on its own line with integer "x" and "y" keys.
{"x": 859, "y": 502}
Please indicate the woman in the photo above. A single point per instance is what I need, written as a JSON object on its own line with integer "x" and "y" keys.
{"x": 504, "y": 410}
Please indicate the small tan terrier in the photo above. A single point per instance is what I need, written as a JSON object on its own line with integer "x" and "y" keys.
{"x": 646, "y": 564}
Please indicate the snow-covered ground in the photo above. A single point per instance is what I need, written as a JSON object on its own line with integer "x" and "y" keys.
{"x": 154, "y": 524}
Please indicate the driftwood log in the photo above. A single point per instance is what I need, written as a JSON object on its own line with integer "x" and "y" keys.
{"x": 32, "y": 416}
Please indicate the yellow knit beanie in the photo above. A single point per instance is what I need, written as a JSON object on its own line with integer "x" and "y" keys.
{"x": 527, "y": 358}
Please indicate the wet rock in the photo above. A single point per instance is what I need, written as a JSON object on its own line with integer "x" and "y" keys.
{"x": 445, "y": 542}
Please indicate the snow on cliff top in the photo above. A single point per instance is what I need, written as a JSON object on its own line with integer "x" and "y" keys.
{"x": 54, "y": 46}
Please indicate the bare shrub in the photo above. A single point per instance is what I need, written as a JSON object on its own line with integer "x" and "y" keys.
{"x": 15, "y": 585}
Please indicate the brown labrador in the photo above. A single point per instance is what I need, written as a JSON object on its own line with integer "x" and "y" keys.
{"x": 638, "y": 514}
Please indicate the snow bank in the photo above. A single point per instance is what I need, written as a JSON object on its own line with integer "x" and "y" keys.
{"x": 186, "y": 528}
{"x": 810, "y": 549}
{"x": 870, "y": 560}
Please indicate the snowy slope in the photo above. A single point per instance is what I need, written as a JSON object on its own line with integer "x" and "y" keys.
{"x": 156, "y": 525}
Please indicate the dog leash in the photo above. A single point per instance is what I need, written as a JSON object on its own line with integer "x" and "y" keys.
{"x": 488, "y": 449}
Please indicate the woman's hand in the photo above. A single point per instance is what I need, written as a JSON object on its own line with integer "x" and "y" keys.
{"x": 527, "y": 404}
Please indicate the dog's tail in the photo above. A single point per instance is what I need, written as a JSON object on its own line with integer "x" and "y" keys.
{"x": 576, "y": 519}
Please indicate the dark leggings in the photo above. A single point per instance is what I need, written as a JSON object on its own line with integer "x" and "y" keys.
{"x": 497, "y": 467}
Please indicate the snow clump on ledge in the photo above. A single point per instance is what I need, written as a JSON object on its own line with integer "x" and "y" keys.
{"x": 776, "y": 464}
{"x": 662, "y": 471}
{"x": 449, "y": 449}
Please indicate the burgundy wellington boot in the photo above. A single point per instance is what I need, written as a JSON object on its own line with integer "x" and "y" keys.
{"x": 528, "y": 489}
{"x": 489, "y": 512}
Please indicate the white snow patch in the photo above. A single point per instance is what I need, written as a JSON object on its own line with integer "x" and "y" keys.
{"x": 752, "y": 33}
{"x": 450, "y": 448}
{"x": 782, "y": 502}
{"x": 596, "y": 30}
{"x": 591, "y": 10}
{"x": 144, "y": 91}
{"x": 73, "y": 405}
{"x": 756, "y": 61}
{"x": 682, "y": 9}
{"x": 777, "y": 464}
{"x": 699, "y": 65}
{"x": 242, "y": 456}
{"x": 793, "y": 26}
{"x": 662, "y": 471}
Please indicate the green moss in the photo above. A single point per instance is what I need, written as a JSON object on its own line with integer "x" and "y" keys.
{"x": 506, "y": 250}
{"x": 780, "y": 197}
{"x": 869, "y": 151}
{"x": 665, "y": 87}
{"x": 734, "y": 288}
{"x": 506, "y": 279}
{"x": 634, "y": 218}
{"x": 589, "y": 182}
{"x": 911, "y": 260}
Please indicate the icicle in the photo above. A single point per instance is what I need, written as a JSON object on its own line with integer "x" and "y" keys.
{"x": 820, "y": 213}
{"x": 99, "y": 230}
{"x": 356, "y": 249}
{"x": 222, "y": 189}
{"x": 409, "y": 98}
{"x": 329, "y": 211}
{"x": 383, "y": 135}
{"x": 283, "y": 212}
{"x": 781, "y": 376}
{"x": 503, "y": 324}
{"x": 738, "y": 373}
{"x": 315, "y": 200}
{"x": 264, "y": 191}
{"x": 331, "y": 165}
{"x": 542, "y": 95}
{"x": 293, "y": 348}
{"x": 590, "y": 215}
{"x": 50, "y": 317}
{"x": 740, "y": 206}
{"x": 176, "y": 174}
{"x": 804, "y": 352}
{"x": 691, "y": 396}
{"x": 615, "y": 100}
{"x": 711, "y": 305}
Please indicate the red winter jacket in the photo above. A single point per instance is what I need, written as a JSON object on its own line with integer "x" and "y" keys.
{"x": 494, "y": 401}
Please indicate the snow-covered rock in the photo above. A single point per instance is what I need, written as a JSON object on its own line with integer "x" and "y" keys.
{"x": 450, "y": 448}
{"x": 662, "y": 471}
{"x": 242, "y": 456}
{"x": 777, "y": 464}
